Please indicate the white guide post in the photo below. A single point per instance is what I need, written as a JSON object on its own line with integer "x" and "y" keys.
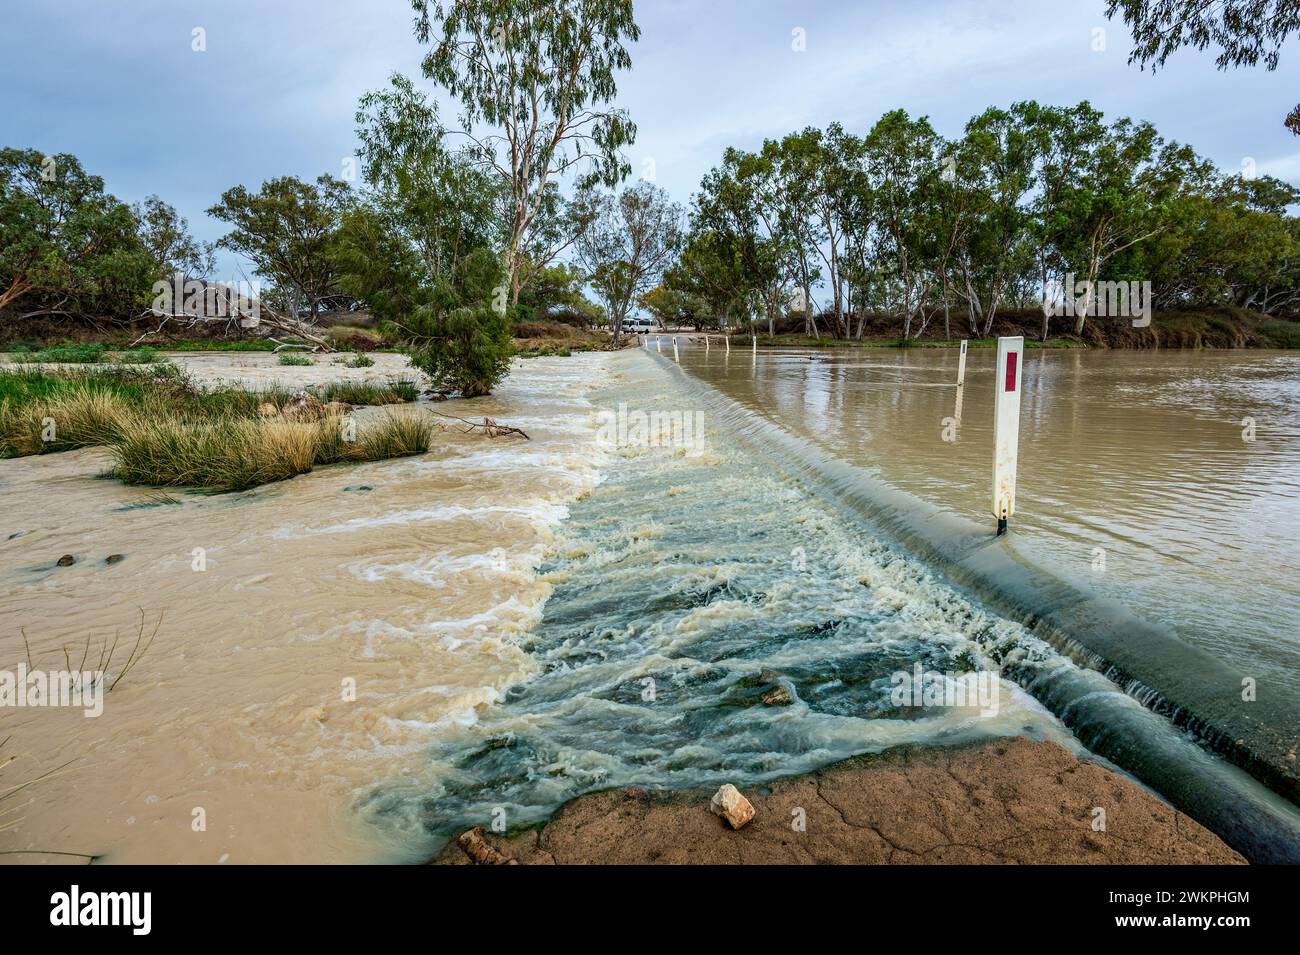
{"x": 961, "y": 365}
{"x": 659, "y": 344}
{"x": 727, "y": 339}
{"x": 1006, "y": 428}
{"x": 706, "y": 344}
{"x": 676, "y": 357}
{"x": 754, "y": 344}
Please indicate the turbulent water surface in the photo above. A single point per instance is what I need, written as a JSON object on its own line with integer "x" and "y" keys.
{"x": 616, "y": 603}
{"x": 409, "y": 580}
{"x": 692, "y": 582}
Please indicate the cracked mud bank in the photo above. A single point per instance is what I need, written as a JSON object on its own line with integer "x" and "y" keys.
{"x": 1002, "y": 801}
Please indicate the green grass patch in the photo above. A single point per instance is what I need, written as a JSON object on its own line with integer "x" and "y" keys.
{"x": 58, "y": 409}
{"x": 364, "y": 393}
{"x": 545, "y": 351}
{"x": 63, "y": 354}
{"x": 293, "y": 358}
{"x": 1280, "y": 332}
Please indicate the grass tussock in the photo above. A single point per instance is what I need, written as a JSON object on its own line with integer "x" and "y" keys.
{"x": 293, "y": 358}
{"x": 77, "y": 418}
{"x": 164, "y": 431}
{"x": 364, "y": 393}
{"x": 241, "y": 454}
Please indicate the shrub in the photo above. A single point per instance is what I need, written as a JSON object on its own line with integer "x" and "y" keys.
{"x": 363, "y": 393}
{"x": 66, "y": 354}
{"x": 359, "y": 360}
{"x": 88, "y": 406}
{"x": 140, "y": 356}
{"x": 293, "y": 358}
{"x": 465, "y": 349}
{"x": 397, "y": 436}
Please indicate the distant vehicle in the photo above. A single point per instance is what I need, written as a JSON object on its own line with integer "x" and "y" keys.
{"x": 638, "y": 325}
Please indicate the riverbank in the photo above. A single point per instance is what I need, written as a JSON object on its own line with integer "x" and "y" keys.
{"x": 1016, "y": 801}
{"x": 1170, "y": 329}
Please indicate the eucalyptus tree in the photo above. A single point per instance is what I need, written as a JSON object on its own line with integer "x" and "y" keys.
{"x": 995, "y": 169}
{"x": 1244, "y": 31}
{"x": 736, "y": 201}
{"x": 710, "y": 267}
{"x": 813, "y": 169}
{"x": 439, "y": 199}
{"x": 536, "y": 83}
{"x": 903, "y": 160}
{"x": 628, "y": 242}
{"x": 166, "y": 234}
{"x": 1065, "y": 140}
{"x": 66, "y": 245}
{"x": 287, "y": 228}
{"x": 1130, "y": 176}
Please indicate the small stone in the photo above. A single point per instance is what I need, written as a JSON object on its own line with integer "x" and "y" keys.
{"x": 481, "y": 852}
{"x": 728, "y": 803}
{"x": 304, "y": 406}
{"x": 114, "y": 558}
{"x": 67, "y": 560}
{"x": 777, "y": 696}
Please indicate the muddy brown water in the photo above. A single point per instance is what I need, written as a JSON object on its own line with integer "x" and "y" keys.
{"x": 409, "y": 577}
{"x": 1169, "y": 481}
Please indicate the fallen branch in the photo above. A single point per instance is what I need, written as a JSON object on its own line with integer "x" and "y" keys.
{"x": 487, "y": 426}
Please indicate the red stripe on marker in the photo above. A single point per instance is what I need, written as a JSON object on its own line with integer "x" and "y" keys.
{"x": 1011, "y": 372}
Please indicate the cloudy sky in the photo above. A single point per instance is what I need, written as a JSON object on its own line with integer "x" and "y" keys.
{"x": 117, "y": 83}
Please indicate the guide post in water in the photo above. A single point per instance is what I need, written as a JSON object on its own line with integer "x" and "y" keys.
{"x": 1006, "y": 428}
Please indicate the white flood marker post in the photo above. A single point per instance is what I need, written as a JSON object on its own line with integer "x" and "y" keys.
{"x": 676, "y": 357}
{"x": 659, "y": 344}
{"x": 961, "y": 365}
{"x": 727, "y": 339}
{"x": 706, "y": 344}
{"x": 1006, "y": 428}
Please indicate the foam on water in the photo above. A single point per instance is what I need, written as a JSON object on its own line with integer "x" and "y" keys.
{"x": 717, "y": 580}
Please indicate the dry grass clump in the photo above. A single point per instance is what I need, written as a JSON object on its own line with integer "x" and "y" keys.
{"x": 240, "y": 454}
{"x": 83, "y": 415}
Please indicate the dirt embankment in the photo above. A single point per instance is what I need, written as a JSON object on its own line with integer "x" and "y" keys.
{"x": 1005, "y": 801}
{"x": 536, "y": 338}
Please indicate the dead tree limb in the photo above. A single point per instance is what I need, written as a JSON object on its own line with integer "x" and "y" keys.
{"x": 487, "y": 426}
